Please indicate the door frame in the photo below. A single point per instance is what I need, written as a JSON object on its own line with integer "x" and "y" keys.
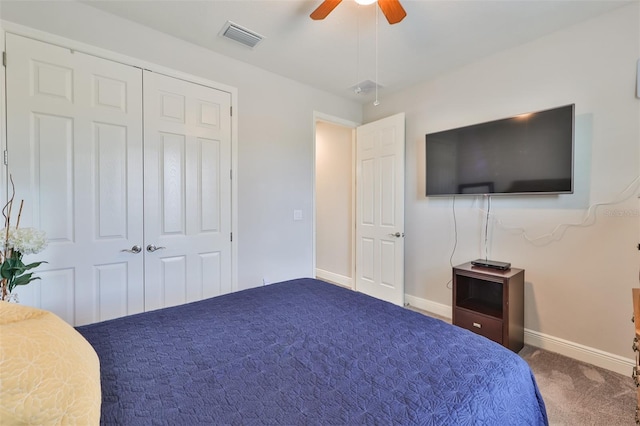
{"x": 3, "y": 123}
{"x": 330, "y": 119}
{"x": 9, "y": 27}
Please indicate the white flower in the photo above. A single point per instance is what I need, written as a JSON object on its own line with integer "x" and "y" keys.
{"x": 24, "y": 240}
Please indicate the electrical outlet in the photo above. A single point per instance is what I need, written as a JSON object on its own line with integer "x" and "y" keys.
{"x": 297, "y": 215}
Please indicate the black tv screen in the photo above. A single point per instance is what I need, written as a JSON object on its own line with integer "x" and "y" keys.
{"x": 525, "y": 154}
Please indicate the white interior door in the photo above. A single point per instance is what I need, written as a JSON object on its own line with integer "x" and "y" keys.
{"x": 187, "y": 166}
{"x": 74, "y": 139}
{"x": 380, "y": 149}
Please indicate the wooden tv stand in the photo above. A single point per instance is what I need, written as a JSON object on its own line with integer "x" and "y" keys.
{"x": 490, "y": 302}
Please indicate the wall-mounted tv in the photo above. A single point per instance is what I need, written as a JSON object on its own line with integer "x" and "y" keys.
{"x": 525, "y": 154}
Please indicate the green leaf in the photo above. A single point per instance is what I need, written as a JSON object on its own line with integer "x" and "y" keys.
{"x": 14, "y": 271}
{"x": 12, "y": 267}
{"x": 22, "y": 280}
{"x": 5, "y": 269}
{"x": 33, "y": 265}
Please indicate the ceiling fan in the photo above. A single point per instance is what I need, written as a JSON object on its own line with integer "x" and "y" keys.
{"x": 392, "y": 9}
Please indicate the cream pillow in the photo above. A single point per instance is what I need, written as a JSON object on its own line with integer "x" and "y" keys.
{"x": 49, "y": 374}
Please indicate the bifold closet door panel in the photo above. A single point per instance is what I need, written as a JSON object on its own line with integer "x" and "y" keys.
{"x": 187, "y": 166}
{"x": 74, "y": 124}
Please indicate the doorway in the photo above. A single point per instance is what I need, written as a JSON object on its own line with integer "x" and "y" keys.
{"x": 334, "y": 230}
{"x": 359, "y": 206}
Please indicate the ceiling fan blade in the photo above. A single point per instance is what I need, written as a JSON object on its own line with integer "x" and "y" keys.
{"x": 393, "y": 10}
{"x": 324, "y": 9}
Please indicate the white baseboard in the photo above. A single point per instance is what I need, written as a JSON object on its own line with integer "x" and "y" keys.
{"x": 334, "y": 278}
{"x": 580, "y": 352}
{"x": 429, "y": 306}
{"x": 564, "y": 347}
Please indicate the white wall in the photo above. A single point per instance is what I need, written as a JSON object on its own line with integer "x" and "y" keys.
{"x": 334, "y": 202}
{"x": 578, "y": 281}
{"x": 275, "y": 149}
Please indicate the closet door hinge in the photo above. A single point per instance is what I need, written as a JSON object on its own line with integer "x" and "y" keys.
{"x": 4, "y": 59}
{"x": 231, "y": 111}
{"x": 231, "y": 236}
{"x": 5, "y": 157}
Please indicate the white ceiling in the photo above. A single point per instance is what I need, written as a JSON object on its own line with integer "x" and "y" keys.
{"x": 436, "y": 36}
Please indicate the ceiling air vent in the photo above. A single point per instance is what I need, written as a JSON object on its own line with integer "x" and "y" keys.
{"x": 364, "y": 87}
{"x": 241, "y": 35}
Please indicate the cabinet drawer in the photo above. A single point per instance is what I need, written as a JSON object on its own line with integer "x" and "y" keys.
{"x": 491, "y": 328}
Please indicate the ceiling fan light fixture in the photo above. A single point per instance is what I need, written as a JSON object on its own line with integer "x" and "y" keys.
{"x": 392, "y": 9}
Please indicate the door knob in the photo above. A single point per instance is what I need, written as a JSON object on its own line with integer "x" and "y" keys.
{"x": 151, "y": 248}
{"x": 397, "y": 235}
{"x": 135, "y": 249}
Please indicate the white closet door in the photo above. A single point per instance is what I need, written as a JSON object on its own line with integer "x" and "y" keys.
{"x": 74, "y": 126}
{"x": 187, "y": 165}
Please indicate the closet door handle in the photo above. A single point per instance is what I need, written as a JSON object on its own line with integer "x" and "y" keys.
{"x": 151, "y": 248}
{"x": 135, "y": 249}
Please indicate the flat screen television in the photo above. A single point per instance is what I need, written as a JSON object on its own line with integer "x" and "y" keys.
{"x": 525, "y": 154}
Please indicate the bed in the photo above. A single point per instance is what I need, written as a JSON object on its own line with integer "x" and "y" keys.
{"x": 306, "y": 352}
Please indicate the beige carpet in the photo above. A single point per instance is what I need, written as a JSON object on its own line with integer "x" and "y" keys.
{"x": 577, "y": 393}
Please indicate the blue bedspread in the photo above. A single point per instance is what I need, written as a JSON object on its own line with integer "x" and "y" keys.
{"x": 306, "y": 352}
